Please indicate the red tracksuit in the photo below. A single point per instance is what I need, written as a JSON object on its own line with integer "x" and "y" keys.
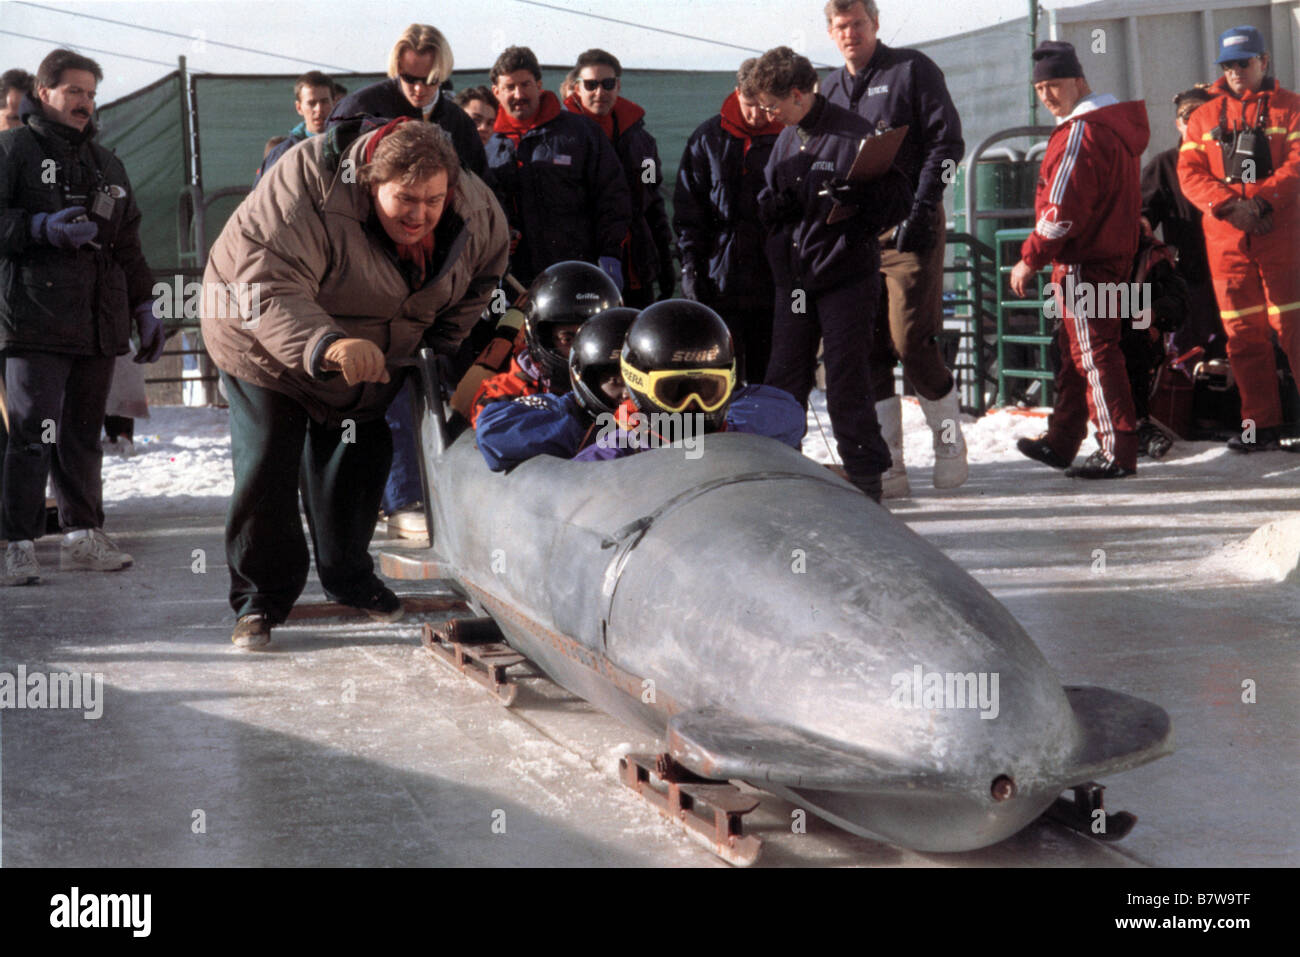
{"x": 1256, "y": 278}
{"x": 1088, "y": 205}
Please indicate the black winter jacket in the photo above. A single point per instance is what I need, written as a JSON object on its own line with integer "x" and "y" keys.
{"x": 563, "y": 188}
{"x": 715, "y": 215}
{"x": 649, "y": 255}
{"x": 806, "y": 252}
{"x": 51, "y": 300}
{"x": 905, "y": 86}
{"x": 1163, "y": 204}
{"x": 385, "y": 100}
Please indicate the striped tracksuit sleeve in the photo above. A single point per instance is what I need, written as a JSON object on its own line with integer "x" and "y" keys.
{"x": 1068, "y": 191}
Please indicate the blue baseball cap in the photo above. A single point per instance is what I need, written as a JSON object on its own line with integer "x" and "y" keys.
{"x": 1240, "y": 43}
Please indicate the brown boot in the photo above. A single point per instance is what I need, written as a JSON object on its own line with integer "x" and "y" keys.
{"x": 252, "y": 632}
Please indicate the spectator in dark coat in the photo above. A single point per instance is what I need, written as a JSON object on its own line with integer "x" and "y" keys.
{"x": 14, "y": 85}
{"x": 313, "y": 98}
{"x": 647, "y": 256}
{"x": 715, "y": 215}
{"x": 556, "y": 175}
{"x": 418, "y": 64}
{"x": 481, "y": 107}
{"x": 74, "y": 281}
{"x": 1164, "y": 207}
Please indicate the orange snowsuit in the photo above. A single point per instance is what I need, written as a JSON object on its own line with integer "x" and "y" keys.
{"x": 1256, "y": 278}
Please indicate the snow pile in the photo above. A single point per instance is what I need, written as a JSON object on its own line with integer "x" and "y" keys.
{"x": 1271, "y": 553}
{"x": 991, "y": 438}
{"x": 179, "y": 453}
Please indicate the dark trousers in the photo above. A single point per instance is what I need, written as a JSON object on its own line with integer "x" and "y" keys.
{"x": 278, "y": 452}
{"x": 751, "y": 328}
{"x": 844, "y": 318}
{"x": 56, "y": 410}
{"x": 638, "y": 298}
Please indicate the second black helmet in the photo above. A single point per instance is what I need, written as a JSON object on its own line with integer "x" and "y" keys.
{"x": 594, "y": 359}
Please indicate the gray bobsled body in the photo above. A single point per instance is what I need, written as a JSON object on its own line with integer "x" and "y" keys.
{"x": 774, "y": 626}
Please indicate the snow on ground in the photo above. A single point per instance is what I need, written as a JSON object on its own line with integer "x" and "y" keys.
{"x": 348, "y": 745}
{"x": 179, "y": 453}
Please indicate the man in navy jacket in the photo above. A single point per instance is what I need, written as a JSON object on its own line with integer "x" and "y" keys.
{"x": 715, "y": 215}
{"x": 827, "y": 275}
{"x": 556, "y": 175}
{"x": 891, "y": 88}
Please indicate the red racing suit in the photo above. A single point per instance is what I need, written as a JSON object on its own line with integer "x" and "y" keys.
{"x": 1256, "y": 278}
{"x": 1088, "y": 207}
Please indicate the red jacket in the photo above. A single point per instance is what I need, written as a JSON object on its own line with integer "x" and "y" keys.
{"x": 1201, "y": 172}
{"x": 1089, "y": 200}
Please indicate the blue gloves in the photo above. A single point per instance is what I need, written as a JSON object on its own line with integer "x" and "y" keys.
{"x": 613, "y": 269}
{"x": 60, "y": 231}
{"x": 152, "y": 337}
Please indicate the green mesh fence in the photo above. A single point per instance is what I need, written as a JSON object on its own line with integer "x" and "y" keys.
{"x": 145, "y": 130}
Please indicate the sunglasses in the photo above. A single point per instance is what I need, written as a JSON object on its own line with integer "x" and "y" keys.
{"x": 1238, "y": 65}
{"x": 675, "y": 389}
{"x": 608, "y": 83}
{"x": 415, "y": 80}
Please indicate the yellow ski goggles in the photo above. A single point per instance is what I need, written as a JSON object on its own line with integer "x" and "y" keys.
{"x": 674, "y": 389}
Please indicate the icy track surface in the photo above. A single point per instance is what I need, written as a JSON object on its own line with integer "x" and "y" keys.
{"x": 348, "y": 745}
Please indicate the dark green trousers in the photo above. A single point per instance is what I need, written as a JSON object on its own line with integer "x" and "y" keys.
{"x": 278, "y": 453}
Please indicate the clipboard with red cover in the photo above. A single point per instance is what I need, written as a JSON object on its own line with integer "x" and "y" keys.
{"x": 874, "y": 158}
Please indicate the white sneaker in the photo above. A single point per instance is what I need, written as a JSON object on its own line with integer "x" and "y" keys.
{"x": 943, "y": 416}
{"x": 89, "y": 549}
{"x": 20, "y": 564}
{"x": 408, "y": 522}
{"x": 893, "y": 483}
{"x": 120, "y": 446}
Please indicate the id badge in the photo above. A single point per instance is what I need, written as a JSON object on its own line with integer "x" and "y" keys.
{"x": 102, "y": 207}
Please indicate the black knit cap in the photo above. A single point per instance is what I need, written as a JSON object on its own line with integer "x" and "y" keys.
{"x": 1055, "y": 60}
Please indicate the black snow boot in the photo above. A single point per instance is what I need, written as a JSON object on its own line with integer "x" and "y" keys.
{"x": 1098, "y": 466}
{"x": 870, "y": 485}
{"x": 1266, "y": 440}
{"x": 1038, "y": 450}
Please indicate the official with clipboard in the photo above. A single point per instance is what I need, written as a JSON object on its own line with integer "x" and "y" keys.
{"x": 823, "y": 220}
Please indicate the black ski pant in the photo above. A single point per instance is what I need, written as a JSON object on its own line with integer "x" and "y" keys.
{"x": 844, "y": 317}
{"x": 56, "y": 409}
{"x": 751, "y": 330}
{"x": 279, "y": 452}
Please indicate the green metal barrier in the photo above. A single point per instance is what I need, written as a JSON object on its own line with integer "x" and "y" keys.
{"x": 1021, "y": 321}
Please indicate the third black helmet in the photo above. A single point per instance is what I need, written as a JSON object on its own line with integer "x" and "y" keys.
{"x": 678, "y": 357}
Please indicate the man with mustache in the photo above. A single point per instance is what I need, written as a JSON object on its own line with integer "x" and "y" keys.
{"x": 556, "y": 175}
{"x": 74, "y": 281}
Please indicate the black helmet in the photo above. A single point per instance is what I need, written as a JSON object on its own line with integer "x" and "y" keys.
{"x": 678, "y": 357}
{"x": 596, "y": 353}
{"x": 567, "y": 293}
